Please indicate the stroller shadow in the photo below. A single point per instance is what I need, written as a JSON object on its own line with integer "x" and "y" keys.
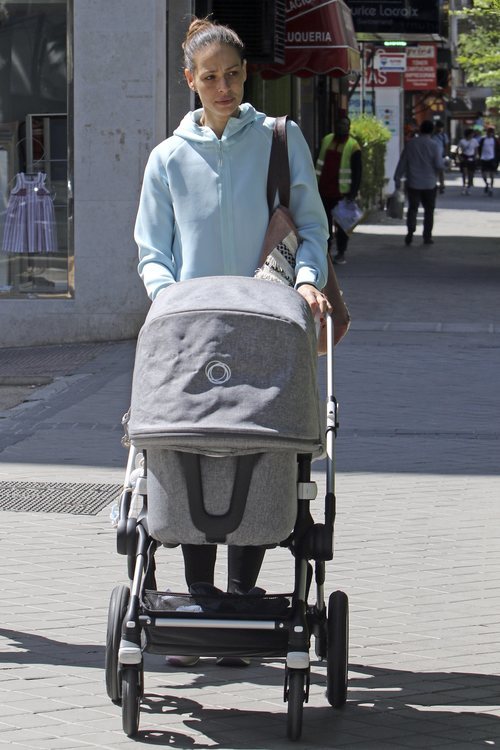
{"x": 384, "y": 707}
{"x": 34, "y": 649}
{"x": 37, "y": 649}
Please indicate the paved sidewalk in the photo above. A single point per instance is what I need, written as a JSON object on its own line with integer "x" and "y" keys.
{"x": 417, "y": 531}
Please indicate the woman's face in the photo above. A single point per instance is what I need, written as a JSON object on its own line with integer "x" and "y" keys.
{"x": 218, "y": 77}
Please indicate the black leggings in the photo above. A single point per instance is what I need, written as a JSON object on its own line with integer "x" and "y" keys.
{"x": 243, "y": 565}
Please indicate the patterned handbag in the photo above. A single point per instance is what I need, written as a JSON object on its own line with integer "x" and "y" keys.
{"x": 281, "y": 242}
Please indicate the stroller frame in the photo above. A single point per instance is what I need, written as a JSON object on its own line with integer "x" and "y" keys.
{"x": 134, "y": 625}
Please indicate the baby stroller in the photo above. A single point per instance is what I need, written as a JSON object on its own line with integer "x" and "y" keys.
{"x": 223, "y": 426}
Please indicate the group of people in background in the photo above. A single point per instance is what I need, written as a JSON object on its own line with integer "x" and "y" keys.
{"x": 423, "y": 162}
{"x": 478, "y": 150}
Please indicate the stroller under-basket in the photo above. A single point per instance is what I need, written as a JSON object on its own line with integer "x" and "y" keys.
{"x": 224, "y": 423}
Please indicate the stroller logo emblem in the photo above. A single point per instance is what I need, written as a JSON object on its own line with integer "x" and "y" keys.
{"x": 217, "y": 372}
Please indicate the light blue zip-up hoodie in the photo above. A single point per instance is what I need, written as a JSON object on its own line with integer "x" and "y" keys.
{"x": 203, "y": 207}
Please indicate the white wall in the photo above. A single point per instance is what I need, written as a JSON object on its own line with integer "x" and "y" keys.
{"x": 389, "y": 110}
{"x": 180, "y": 97}
{"x": 119, "y": 115}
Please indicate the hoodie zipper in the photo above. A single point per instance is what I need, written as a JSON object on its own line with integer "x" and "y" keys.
{"x": 227, "y": 228}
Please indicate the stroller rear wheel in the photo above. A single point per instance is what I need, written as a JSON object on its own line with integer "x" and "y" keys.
{"x": 338, "y": 648}
{"x": 131, "y": 700}
{"x": 117, "y": 607}
{"x": 295, "y": 697}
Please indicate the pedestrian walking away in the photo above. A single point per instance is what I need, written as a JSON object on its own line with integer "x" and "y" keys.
{"x": 203, "y": 212}
{"x": 489, "y": 155}
{"x": 338, "y": 168}
{"x": 421, "y": 162}
{"x": 468, "y": 148}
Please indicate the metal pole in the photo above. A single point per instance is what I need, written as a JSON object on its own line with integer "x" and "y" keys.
{"x": 362, "y": 106}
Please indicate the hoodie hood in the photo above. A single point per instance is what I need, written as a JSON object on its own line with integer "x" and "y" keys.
{"x": 190, "y": 129}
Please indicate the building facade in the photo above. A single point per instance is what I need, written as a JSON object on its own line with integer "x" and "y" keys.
{"x": 83, "y": 100}
{"x": 87, "y": 89}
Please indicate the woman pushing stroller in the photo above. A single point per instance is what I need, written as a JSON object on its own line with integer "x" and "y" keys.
{"x": 203, "y": 212}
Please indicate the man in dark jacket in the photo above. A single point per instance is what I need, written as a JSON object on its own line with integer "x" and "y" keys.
{"x": 338, "y": 169}
{"x": 421, "y": 162}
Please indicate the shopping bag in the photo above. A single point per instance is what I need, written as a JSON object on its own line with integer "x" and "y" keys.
{"x": 396, "y": 204}
{"x": 347, "y": 215}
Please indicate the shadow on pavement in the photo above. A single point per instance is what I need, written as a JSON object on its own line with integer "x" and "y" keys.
{"x": 383, "y": 706}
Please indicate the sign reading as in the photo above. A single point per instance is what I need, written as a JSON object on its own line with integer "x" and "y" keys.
{"x": 381, "y": 78}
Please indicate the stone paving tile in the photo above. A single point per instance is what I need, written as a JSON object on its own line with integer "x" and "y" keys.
{"x": 215, "y": 699}
{"x": 417, "y": 538}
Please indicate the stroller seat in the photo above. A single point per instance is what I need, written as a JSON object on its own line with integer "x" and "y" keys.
{"x": 223, "y": 399}
{"x": 198, "y": 499}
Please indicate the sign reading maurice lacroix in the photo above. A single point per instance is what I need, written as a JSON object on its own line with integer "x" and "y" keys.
{"x": 396, "y": 16}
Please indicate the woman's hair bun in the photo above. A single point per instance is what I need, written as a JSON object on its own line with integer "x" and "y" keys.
{"x": 203, "y": 32}
{"x": 197, "y": 25}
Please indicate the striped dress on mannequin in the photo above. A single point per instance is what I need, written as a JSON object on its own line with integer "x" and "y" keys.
{"x": 30, "y": 225}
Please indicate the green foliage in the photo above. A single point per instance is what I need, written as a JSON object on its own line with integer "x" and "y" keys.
{"x": 479, "y": 46}
{"x": 372, "y": 136}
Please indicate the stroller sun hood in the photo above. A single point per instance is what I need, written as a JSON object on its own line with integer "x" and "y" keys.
{"x": 226, "y": 365}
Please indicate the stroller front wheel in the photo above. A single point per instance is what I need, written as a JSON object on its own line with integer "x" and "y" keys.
{"x": 117, "y": 607}
{"x": 131, "y": 700}
{"x": 295, "y": 697}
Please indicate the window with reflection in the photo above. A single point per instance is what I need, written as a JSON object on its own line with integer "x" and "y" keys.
{"x": 34, "y": 184}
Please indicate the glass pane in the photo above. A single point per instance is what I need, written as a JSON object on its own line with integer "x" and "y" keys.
{"x": 34, "y": 251}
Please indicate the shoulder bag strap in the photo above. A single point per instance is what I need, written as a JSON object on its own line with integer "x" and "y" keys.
{"x": 278, "y": 176}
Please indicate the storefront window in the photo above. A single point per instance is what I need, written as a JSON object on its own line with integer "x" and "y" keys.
{"x": 34, "y": 182}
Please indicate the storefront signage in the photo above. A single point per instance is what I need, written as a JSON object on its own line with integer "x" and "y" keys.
{"x": 391, "y": 61}
{"x": 319, "y": 39}
{"x": 420, "y": 73}
{"x": 381, "y": 78}
{"x": 401, "y": 17}
{"x": 318, "y": 23}
{"x": 420, "y": 68}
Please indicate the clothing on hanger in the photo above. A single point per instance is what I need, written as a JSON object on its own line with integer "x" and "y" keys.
{"x": 30, "y": 225}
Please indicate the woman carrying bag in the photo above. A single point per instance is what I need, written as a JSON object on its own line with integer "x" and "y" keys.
{"x": 203, "y": 212}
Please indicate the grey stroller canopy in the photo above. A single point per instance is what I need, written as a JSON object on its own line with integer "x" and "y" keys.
{"x": 226, "y": 364}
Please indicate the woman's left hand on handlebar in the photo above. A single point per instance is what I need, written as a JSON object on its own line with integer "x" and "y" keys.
{"x": 316, "y": 300}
